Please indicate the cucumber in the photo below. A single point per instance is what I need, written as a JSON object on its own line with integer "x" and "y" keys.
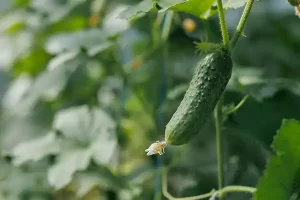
{"x": 206, "y": 87}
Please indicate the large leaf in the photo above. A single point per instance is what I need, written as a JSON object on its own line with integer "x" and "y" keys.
{"x": 194, "y": 7}
{"x": 35, "y": 149}
{"x": 88, "y": 39}
{"x": 17, "y": 181}
{"x": 82, "y": 124}
{"x": 251, "y": 81}
{"x": 101, "y": 177}
{"x": 112, "y": 25}
{"x": 13, "y": 101}
{"x": 86, "y": 134}
{"x": 52, "y": 81}
{"x": 137, "y": 10}
{"x": 71, "y": 160}
{"x": 234, "y": 3}
{"x": 260, "y": 119}
{"x": 282, "y": 176}
{"x": 54, "y": 10}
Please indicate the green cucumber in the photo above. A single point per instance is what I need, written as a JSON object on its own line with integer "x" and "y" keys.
{"x": 206, "y": 87}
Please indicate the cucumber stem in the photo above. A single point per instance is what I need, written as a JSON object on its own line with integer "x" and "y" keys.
{"x": 219, "y": 142}
{"x": 232, "y": 110}
{"x": 224, "y": 31}
{"x": 241, "y": 23}
{"x": 223, "y": 191}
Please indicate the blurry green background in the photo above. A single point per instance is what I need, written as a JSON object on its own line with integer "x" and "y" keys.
{"x": 83, "y": 94}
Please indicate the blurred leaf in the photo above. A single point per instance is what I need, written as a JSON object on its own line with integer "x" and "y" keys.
{"x": 260, "y": 119}
{"x": 55, "y": 10}
{"x": 112, "y": 25}
{"x": 88, "y": 134}
{"x": 32, "y": 63}
{"x": 13, "y": 98}
{"x": 211, "y": 12}
{"x": 73, "y": 41}
{"x": 69, "y": 24}
{"x": 36, "y": 149}
{"x": 94, "y": 194}
{"x": 193, "y": 7}
{"x": 177, "y": 91}
{"x": 140, "y": 174}
{"x": 204, "y": 46}
{"x": 11, "y": 22}
{"x": 82, "y": 124}
{"x": 234, "y": 3}
{"x": 70, "y": 160}
{"x": 101, "y": 177}
{"x": 12, "y": 47}
{"x": 19, "y": 122}
{"x": 247, "y": 148}
{"x": 252, "y": 81}
{"x": 18, "y": 180}
{"x": 21, "y": 2}
{"x": 282, "y": 171}
{"x": 99, "y": 48}
{"x": 52, "y": 81}
{"x": 137, "y": 10}
{"x": 5, "y": 5}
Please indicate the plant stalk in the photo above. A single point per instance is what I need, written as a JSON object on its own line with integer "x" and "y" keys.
{"x": 223, "y": 191}
{"x": 234, "y": 109}
{"x": 224, "y": 31}
{"x": 241, "y": 24}
{"x": 167, "y": 26}
{"x": 219, "y": 143}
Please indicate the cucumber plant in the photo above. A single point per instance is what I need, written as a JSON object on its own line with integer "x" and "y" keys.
{"x": 202, "y": 97}
{"x": 89, "y": 92}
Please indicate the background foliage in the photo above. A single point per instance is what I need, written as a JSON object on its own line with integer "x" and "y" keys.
{"x": 83, "y": 94}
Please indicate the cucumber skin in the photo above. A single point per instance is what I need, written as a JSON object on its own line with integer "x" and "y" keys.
{"x": 206, "y": 87}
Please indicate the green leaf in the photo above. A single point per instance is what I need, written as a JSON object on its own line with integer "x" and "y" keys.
{"x": 177, "y": 91}
{"x": 52, "y": 81}
{"x": 251, "y": 81}
{"x": 103, "y": 148}
{"x": 36, "y": 149}
{"x": 71, "y": 160}
{"x": 101, "y": 177}
{"x": 18, "y": 180}
{"x": 234, "y": 3}
{"x": 93, "y": 128}
{"x": 82, "y": 124}
{"x": 137, "y": 10}
{"x": 47, "y": 85}
{"x": 87, "y": 134}
{"x": 282, "y": 172}
{"x": 260, "y": 119}
{"x": 227, "y": 4}
{"x": 32, "y": 63}
{"x": 112, "y": 25}
{"x": 194, "y": 7}
{"x": 74, "y": 41}
{"x": 13, "y": 101}
{"x": 12, "y": 22}
{"x": 205, "y": 46}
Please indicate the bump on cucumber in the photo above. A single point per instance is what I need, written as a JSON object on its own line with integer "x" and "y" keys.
{"x": 206, "y": 87}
